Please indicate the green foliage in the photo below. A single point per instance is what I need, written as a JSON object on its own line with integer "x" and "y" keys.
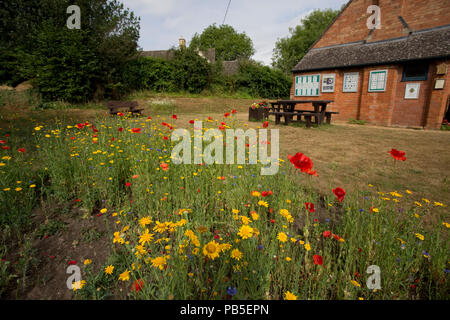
{"x": 191, "y": 72}
{"x": 263, "y": 81}
{"x": 66, "y": 67}
{"x": 354, "y": 121}
{"x": 72, "y": 65}
{"x": 150, "y": 74}
{"x": 229, "y": 44}
{"x": 290, "y": 50}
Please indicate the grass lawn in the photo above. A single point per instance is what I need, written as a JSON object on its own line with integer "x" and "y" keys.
{"x": 80, "y": 187}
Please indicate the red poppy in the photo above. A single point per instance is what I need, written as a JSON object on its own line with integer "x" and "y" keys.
{"x": 302, "y": 162}
{"x": 339, "y": 193}
{"x": 77, "y": 200}
{"x": 327, "y": 234}
{"x": 266, "y": 193}
{"x": 72, "y": 262}
{"x": 265, "y": 124}
{"x": 209, "y": 118}
{"x": 310, "y": 207}
{"x": 127, "y": 184}
{"x": 164, "y": 166}
{"x": 174, "y": 116}
{"x": 80, "y": 126}
{"x": 221, "y": 127}
{"x": 5, "y": 148}
{"x": 136, "y": 130}
{"x": 191, "y": 121}
{"x": 2, "y": 141}
{"x": 120, "y": 129}
{"x": 318, "y": 259}
{"x": 233, "y": 111}
{"x": 336, "y": 237}
{"x": 23, "y": 150}
{"x": 397, "y": 155}
{"x": 226, "y": 114}
{"x": 149, "y": 118}
{"x": 272, "y": 221}
{"x": 137, "y": 285}
{"x": 165, "y": 138}
{"x": 120, "y": 114}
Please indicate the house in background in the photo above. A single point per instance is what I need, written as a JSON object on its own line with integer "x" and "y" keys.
{"x": 228, "y": 67}
{"x": 397, "y": 75}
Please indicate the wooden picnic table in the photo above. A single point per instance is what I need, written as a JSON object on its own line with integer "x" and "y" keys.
{"x": 126, "y": 106}
{"x": 286, "y": 109}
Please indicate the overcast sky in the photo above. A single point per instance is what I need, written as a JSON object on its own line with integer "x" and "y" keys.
{"x": 163, "y": 22}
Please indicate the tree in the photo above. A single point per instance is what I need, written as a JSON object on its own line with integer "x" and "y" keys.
{"x": 229, "y": 44}
{"x": 290, "y": 50}
{"x": 35, "y": 30}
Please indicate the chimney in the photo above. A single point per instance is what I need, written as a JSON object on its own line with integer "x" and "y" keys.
{"x": 182, "y": 43}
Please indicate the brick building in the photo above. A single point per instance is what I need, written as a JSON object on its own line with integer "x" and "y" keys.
{"x": 394, "y": 75}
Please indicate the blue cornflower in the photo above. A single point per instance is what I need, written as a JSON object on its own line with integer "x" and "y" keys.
{"x": 231, "y": 291}
{"x": 260, "y": 247}
{"x": 446, "y": 270}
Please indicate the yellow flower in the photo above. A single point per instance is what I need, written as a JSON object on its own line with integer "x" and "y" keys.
{"x": 118, "y": 238}
{"x": 255, "y": 216}
{"x": 18, "y": 189}
{"x": 419, "y": 236}
{"x": 355, "y": 283}
{"x": 104, "y": 210}
{"x": 288, "y": 259}
{"x": 263, "y": 203}
{"x": 256, "y": 194}
{"x": 438, "y": 204}
{"x": 145, "y": 221}
{"x": 417, "y": 203}
{"x": 446, "y": 224}
{"x": 236, "y": 254}
{"x": 307, "y": 246}
{"x": 235, "y": 211}
{"x": 109, "y": 269}
{"x": 375, "y": 210}
{"x": 245, "y": 231}
{"x": 77, "y": 285}
{"x": 289, "y": 296}
{"x": 245, "y": 220}
{"x": 408, "y": 191}
{"x": 37, "y": 128}
{"x": 32, "y": 186}
{"x": 146, "y": 237}
{"x": 282, "y": 237}
{"x": 87, "y": 261}
{"x": 125, "y": 276}
{"x": 211, "y": 250}
{"x": 159, "y": 262}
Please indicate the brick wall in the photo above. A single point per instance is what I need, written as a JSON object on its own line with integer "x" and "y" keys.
{"x": 419, "y": 14}
{"x": 388, "y": 108}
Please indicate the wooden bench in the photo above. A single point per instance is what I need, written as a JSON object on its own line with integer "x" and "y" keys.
{"x": 328, "y": 115}
{"x": 126, "y": 106}
{"x": 289, "y": 116}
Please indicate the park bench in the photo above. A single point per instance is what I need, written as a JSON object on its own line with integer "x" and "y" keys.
{"x": 124, "y": 106}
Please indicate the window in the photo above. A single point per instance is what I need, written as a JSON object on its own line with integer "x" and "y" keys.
{"x": 307, "y": 85}
{"x": 377, "y": 80}
{"x": 415, "y": 71}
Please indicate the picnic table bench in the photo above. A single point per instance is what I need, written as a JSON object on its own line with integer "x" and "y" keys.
{"x": 127, "y": 106}
{"x": 286, "y": 109}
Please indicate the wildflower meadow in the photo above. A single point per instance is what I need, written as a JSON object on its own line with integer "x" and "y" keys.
{"x": 209, "y": 231}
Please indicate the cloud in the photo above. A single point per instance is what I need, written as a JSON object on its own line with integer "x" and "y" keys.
{"x": 264, "y": 21}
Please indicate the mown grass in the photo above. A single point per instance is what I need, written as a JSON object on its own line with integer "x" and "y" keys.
{"x": 198, "y": 216}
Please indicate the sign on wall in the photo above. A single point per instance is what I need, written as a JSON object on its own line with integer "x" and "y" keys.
{"x": 351, "y": 80}
{"x": 412, "y": 91}
{"x": 328, "y": 83}
{"x": 377, "y": 81}
{"x": 307, "y": 85}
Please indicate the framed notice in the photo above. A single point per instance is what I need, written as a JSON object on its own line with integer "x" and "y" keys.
{"x": 351, "y": 80}
{"x": 377, "y": 81}
{"x": 328, "y": 82}
{"x": 307, "y": 85}
{"x": 439, "y": 84}
{"x": 412, "y": 91}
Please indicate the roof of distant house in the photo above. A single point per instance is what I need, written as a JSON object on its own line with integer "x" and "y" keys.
{"x": 419, "y": 45}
